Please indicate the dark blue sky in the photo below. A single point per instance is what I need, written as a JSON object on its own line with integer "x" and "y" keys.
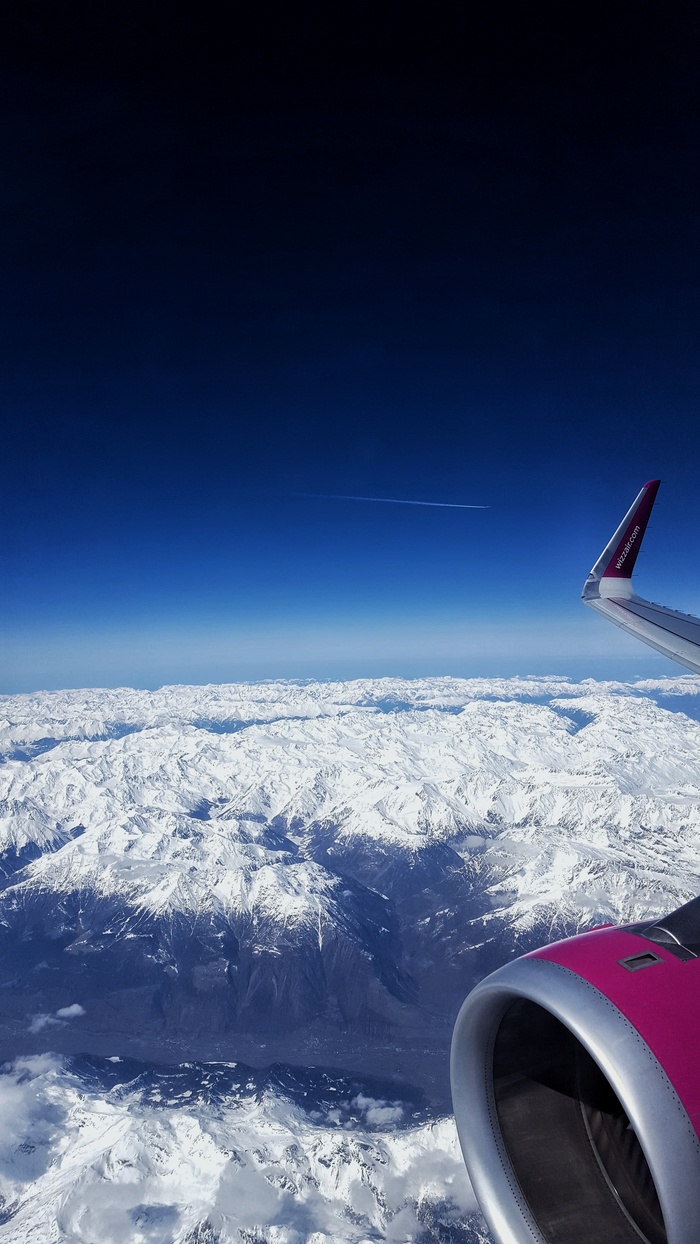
{"x": 447, "y": 252}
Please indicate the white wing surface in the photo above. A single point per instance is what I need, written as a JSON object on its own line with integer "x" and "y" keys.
{"x": 608, "y": 590}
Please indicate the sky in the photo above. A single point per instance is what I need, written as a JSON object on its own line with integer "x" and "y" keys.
{"x": 441, "y": 252}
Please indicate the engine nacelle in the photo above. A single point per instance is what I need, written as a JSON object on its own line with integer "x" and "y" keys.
{"x": 576, "y": 1088}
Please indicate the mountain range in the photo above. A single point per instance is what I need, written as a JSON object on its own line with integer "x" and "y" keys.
{"x": 312, "y": 876}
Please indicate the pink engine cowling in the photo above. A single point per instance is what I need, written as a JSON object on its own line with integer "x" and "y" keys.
{"x": 576, "y": 1088}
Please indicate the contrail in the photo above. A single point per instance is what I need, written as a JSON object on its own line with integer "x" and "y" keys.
{"x": 441, "y": 505}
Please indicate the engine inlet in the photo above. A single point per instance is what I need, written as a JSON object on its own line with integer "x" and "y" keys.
{"x": 574, "y": 1152}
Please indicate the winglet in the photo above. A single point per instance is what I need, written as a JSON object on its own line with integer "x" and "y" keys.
{"x": 612, "y": 573}
{"x": 608, "y": 591}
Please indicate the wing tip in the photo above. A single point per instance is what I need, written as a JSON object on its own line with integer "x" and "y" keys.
{"x": 612, "y": 573}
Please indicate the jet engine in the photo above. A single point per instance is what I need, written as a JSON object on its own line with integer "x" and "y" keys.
{"x": 576, "y": 1088}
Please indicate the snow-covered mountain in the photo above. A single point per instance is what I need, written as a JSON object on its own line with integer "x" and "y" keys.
{"x": 316, "y": 873}
{"x": 102, "y": 1149}
{"x": 239, "y": 859}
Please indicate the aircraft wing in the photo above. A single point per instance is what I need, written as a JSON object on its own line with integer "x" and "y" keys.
{"x": 608, "y": 590}
{"x": 575, "y": 1070}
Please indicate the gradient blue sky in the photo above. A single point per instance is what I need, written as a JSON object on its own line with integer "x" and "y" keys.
{"x": 433, "y": 251}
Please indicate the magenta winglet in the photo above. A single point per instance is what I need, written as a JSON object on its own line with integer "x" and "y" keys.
{"x": 624, "y": 555}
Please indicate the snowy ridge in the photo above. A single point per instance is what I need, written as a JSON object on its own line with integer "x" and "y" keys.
{"x": 86, "y": 1155}
{"x": 300, "y": 873}
{"x": 172, "y": 816}
{"x": 100, "y": 713}
{"x": 358, "y": 858}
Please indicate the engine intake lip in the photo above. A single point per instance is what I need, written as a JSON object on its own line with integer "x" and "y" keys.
{"x": 662, "y": 1126}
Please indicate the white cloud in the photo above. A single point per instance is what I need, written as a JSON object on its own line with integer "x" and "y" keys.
{"x": 377, "y": 1112}
{"x": 42, "y": 1021}
{"x": 31, "y": 1122}
{"x": 71, "y": 1012}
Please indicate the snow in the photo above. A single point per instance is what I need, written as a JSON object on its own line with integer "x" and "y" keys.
{"x": 172, "y": 816}
{"x": 286, "y": 810}
{"x": 80, "y": 1162}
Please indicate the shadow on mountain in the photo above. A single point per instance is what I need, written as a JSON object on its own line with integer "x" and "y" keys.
{"x": 29, "y": 751}
{"x": 356, "y": 1101}
{"x": 371, "y": 984}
